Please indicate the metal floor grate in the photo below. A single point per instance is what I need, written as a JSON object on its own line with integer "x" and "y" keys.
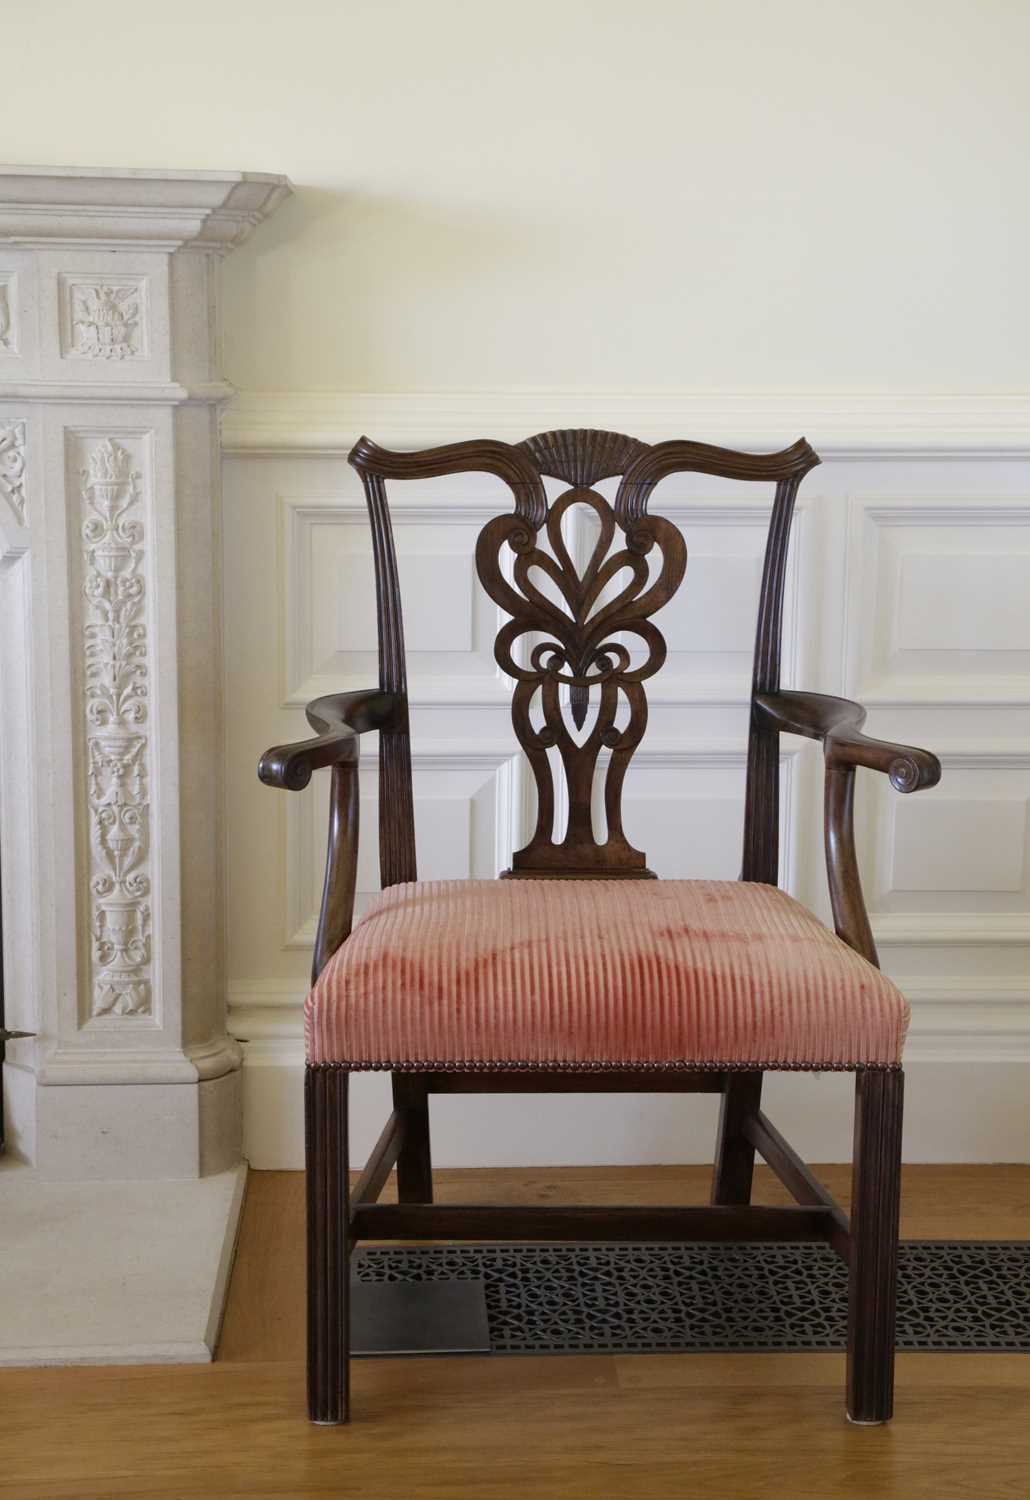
{"x": 619, "y": 1298}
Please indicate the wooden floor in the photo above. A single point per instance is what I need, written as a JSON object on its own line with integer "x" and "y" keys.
{"x": 635, "y": 1426}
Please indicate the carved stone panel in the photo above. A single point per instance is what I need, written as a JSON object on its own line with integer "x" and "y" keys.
{"x": 115, "y": 677}
{"x": 8, "y": 313}
{"x": 12, "y": 468}
{"x": 103, "y": 318}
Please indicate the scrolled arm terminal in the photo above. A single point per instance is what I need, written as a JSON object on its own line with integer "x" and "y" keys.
{"x": 838, "y": 723}
{"x": 340, "y": 718}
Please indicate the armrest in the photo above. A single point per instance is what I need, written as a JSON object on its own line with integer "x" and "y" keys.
{"x": 838, "y": 723}
{"x": 340, "y": 718}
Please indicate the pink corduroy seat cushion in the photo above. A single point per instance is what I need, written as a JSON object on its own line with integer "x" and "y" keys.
{"x": 456, "y": 974}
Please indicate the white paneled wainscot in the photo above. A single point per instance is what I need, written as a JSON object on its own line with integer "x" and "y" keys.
{"x": 909, "y": 585}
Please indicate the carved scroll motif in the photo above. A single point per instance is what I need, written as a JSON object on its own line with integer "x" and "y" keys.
{"x": 614, "y": 596}
{"x": 12, "y": 468}
{"x": 8, "y": 313}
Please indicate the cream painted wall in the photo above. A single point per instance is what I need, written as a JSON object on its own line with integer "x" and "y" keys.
{"x": 578, "y": 192}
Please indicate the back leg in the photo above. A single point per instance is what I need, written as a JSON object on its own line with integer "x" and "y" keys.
{"x": 734, "y": 1154}
{"x": 414, "y": 1164}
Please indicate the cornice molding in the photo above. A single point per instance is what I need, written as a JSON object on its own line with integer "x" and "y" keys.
{"x": 118, "y": 207}
{"x": 840, "y": 424}
{"x": 125, "y": 393}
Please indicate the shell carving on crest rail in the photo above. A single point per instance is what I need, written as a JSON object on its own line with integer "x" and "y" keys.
{"x": 574, "y": 637}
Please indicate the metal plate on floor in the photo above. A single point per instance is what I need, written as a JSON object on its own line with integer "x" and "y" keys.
{"x": 535, "y": 1298}
{"x": 418, "y": 1317}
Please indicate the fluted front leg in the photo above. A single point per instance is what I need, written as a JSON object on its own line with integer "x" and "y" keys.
{"x": 875, "y": 1207}
{"x": 325, "y": 1098}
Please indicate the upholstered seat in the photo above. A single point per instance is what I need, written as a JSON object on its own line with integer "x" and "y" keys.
{"x": 570, "y": 974}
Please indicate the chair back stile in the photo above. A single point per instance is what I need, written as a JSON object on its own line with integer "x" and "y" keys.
{"x": 397, "y": 859}
{"x": 761, "y": 859}
{"x": 564, "y": 644}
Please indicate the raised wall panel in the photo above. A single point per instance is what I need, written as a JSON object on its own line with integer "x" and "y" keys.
{"x": 685, "y": 810}
{"x": 971, "y": 844}
{"x": 328, "y": 602}
{"x": 937, "y": 602}
{"x": 989, "y": 589}
{"x": 958, "y": 854}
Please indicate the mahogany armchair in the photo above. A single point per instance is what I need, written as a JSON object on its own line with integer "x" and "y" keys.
{"x": 575, "y": 971}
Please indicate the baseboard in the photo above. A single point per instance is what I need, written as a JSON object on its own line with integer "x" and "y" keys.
{"x": 957, "y": 1110}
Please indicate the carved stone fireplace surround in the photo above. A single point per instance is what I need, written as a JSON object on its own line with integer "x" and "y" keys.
{"x": 110, "y": 694}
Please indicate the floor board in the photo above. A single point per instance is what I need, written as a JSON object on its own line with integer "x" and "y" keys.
{"x": 576, "y": 1426}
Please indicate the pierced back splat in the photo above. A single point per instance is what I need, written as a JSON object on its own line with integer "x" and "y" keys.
{"x": 578, "y": 651}
{"x": 578, "y": 619}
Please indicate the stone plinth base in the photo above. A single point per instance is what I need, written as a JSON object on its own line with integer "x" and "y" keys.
{"x": 115, "y": 1272}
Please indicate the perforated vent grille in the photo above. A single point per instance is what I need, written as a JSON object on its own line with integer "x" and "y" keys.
{"x": 618, "y": 1298}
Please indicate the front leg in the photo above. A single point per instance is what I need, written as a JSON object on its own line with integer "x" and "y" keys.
{"x": 875, "y": 1208}
{"x": 328, "y": 1217}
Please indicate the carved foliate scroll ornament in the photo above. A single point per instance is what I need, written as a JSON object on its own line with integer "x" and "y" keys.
{"x": 8, "y": 334}
{"x": 12, "y": 468}
{"x": 116, "y": 700}
{"x": 584, "y": 650}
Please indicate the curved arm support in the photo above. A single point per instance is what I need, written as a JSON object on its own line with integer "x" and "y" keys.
{"x": 336, "y": 913}
{"x": 340, "y": 718}
{"x": 837, "y": 722}
{"x": 850, "y": 918}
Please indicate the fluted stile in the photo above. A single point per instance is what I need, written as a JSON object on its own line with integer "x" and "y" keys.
{"x": 396, "y": 800}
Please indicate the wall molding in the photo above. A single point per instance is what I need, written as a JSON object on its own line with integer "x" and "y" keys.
{"x": 839, "y": 424}
{"x": 951, "y": 929}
